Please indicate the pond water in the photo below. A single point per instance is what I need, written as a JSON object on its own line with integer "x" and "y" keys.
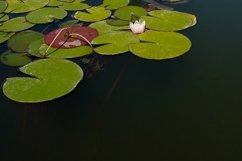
{"x": 131, "y": 109}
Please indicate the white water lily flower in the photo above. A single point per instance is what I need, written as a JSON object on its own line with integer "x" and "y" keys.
{"x": 137, "y": 27}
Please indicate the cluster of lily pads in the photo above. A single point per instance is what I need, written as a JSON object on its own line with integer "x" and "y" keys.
{"x": 107, "y": 32}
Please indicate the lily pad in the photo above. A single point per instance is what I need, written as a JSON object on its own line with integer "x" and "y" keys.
{"x": 14, "y": 59}
{"x": 4, "y": 17}
{"x": 21, "y": 6}
{"x": 58, "y": 2}
{"x": 114, "y": 43}
{"x": 70, "y": 37}
{"x": 15, "y": 25}
{"x": 117, "y": 22}
{"x": 54, "y": 3}
{"x": 126, "y": 13}
{"x": 4, "y": 36}
{"x": 20, "y": 41}
{"x": 3, "y": 5}
{"x": 160, "y": 45}
{"x": 46, "y": 15}
{"x": 114, "y": 4}
{"x": 166, "y": 20}
{"x": 68, "y": 23}
{"x": 49, "y": 79}
{"x": 74, "y": 6}
{"x": 102, "y": 27}
{"x": 93, "y": 14}
{"x": 39, "y": 49}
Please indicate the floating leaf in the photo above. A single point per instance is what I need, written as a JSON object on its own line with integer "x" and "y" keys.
{"x": 20, "y": 41}
{"x": 46, "y": 15}
{"x": 21, "y": 6}
{"x": 68, "y": 23}
{"x": 4, "y": 17}
{"x": 114, "y": 4}
{"x": 58, "y": 2}
{"x": 49, "y": 79}
{"x": 94, "y": 14}
{"x": 160, "y": 45}
{"x": 114, "y": 42}
{"x": 70, "y": 37}
{"x": 3, "y": 5}
{"x": 126, "y": 13}
{"x": 117, "y": 22}
{"x": 54, "y": 3}
{"x": 4, "y": 36}
{"x": 39, "y": 49}
{"x": 166, "y": 20}
{"x": 74, "y": 6}
{"x": 16, "y": 24}
{"x": 14, "y": 59}
{"x": 102, "y": 27}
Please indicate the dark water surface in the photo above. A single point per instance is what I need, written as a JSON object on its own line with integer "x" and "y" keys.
{"x": 184, "y": 109}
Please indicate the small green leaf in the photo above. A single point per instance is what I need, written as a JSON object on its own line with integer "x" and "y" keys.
{"x": 4, "y": 17}
{"x": 94, "y": 14}
{"x": 160, "y": 45}
{"x": 3, "y": 5}
{"x": 4, "y": 36}
{"x": 114, "y": 4}
{"x": 117, "y": 22}
{"x": 102, "y": 27}
{"x": 54, "y": 3}
{"x": 20, "y": 41}
{"x": 15, "y": 25}
{"x": 126, "y": 13}
{"x": 114, "y": 43}
{"x": 75, "y": 6}
{"x": 14, "y": 59}
{"x": 68, "y": 23}
{"x": 49, "y": 79}
{"x": 21, "y": 6}
{"x": 46, "y": 15}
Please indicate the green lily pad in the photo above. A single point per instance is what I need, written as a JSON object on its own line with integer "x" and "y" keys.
{"x": 126, "y": 13}
{"x": 68, "y": 23}
{"x": 114, "y": 4}
{"x": 49, "y": 79}
{"x": 46, "y": 15}
{"x": 160, "y": 45}
{"x": 20, "y": 41}
{"x": 166, "y": 20}
{"x": 94, "y": 14}
{"x": 3, "y": 5}
{"x": 38, "y": 48}
{"x": 114, "y": 43}
{"x": 75, "y": 6}
{"x": 4, "y": 36}
{"x": 14, "y": 59}
{"x": 4, "y": 17}
{"x": 102, "y": 27}
{"x": 21, "y": 6}
{"x": 117, "y": 22}
{"x": 15, "y": 25}
{"x": 54, "y": 3}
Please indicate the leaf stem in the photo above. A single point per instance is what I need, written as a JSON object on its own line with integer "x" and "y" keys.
{"x": 55, "y": 39}
{"x": 75, "y": 34}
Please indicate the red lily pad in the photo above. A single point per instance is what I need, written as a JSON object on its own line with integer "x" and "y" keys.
{"x": 70, "y": 37}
